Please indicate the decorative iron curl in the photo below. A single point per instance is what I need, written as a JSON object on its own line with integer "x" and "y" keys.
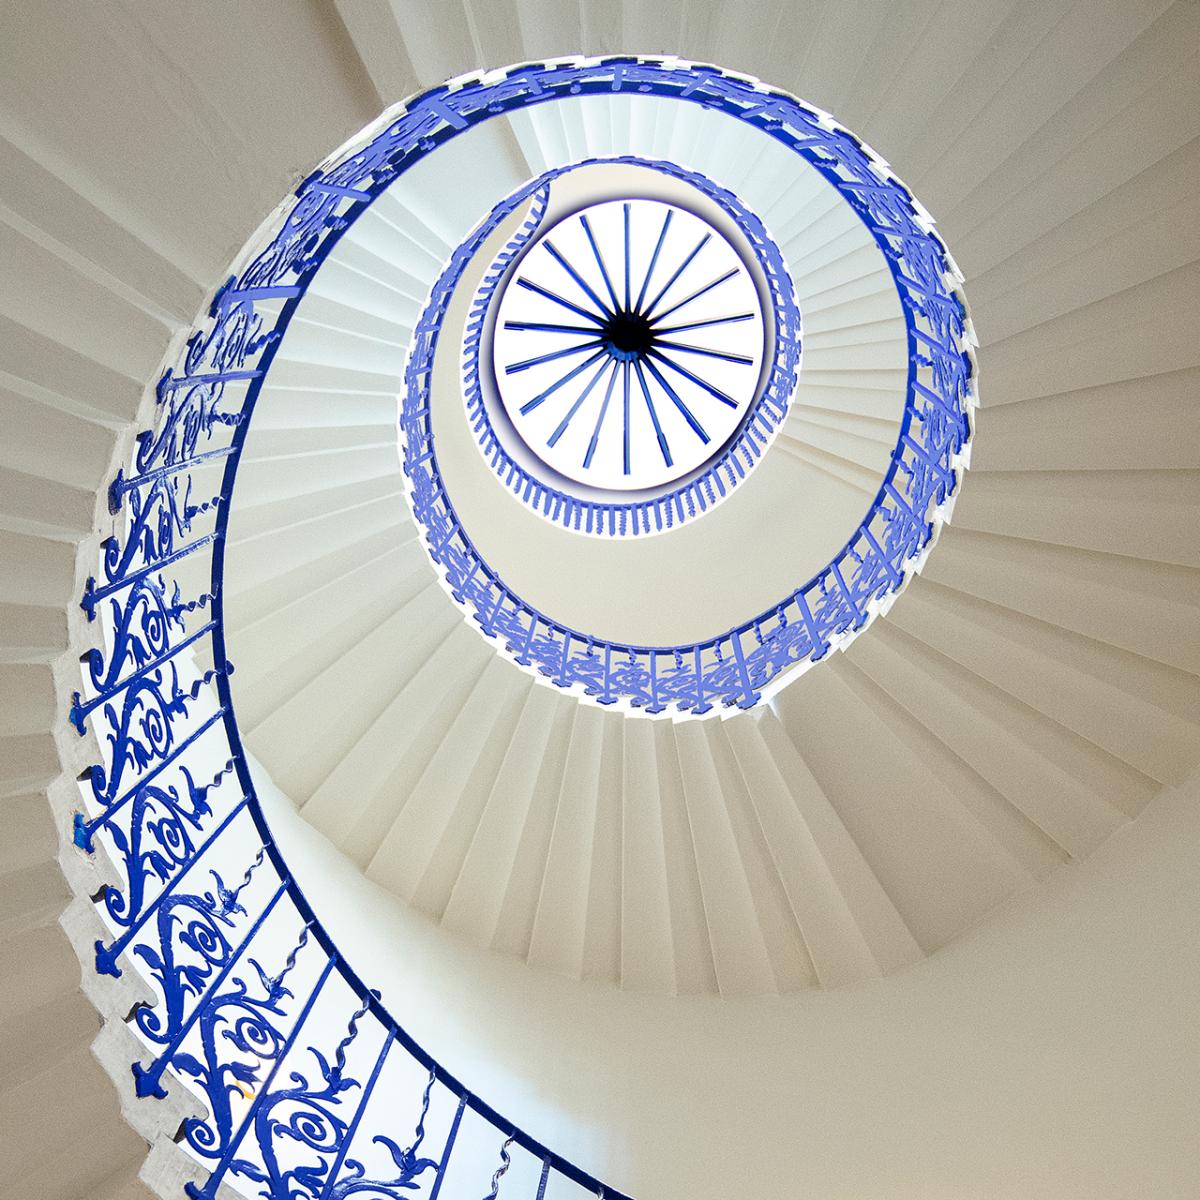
{"x": 224, "y": 1025}
{"x": 742, "y": 665}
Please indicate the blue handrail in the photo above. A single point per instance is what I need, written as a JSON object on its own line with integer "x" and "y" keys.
{"x": 737, "y": 666}
{"x": 581, "y": 513}
{"x": 298, "y": 1062}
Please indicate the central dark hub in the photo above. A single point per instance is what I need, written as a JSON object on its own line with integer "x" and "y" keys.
{"x": 628, "y": 335}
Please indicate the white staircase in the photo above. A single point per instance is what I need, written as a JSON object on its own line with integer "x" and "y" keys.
{"x": 1033, "y": 690}
{"x": 1022, "y": 700}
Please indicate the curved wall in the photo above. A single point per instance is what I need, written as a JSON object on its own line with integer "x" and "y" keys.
{"x": 1070, "y": 201}
{"x": 1051, "y": 1055}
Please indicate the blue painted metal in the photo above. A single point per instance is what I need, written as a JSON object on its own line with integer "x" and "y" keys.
{"x": 880, "y": 555}
{"x": 573, "y": 507}
{"x": 245, "y": 977}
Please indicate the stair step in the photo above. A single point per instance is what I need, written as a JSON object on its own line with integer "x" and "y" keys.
{"x": 557, "y": 940}
{"x": 740, "y": 957}
{"x": 423, "y": 851}
{"x": 488, "y": 862}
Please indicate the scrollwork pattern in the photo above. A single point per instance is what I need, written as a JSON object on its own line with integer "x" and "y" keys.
{"x": 240, "y": 1030}
{"x": 224, "y": 1021}
{"x": 195, "y": 945}
{"x": 881, "y": 555}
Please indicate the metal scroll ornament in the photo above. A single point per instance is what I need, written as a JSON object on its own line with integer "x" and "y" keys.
{"x": 307, "y": 1085}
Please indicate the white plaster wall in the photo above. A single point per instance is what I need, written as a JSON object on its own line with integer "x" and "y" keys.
{"x": 1053, "y": 1054}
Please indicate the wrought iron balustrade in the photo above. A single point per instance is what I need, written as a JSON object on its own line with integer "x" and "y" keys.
{"x": 311, "y": 1086}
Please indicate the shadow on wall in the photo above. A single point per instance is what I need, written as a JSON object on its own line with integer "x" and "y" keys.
{"x": 1027, "y": 1059}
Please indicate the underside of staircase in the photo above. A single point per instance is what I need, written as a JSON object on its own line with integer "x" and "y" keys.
{"x": 1026, "y": 698}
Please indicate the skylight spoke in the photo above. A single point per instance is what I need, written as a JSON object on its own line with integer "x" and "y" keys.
{"x": 530, "y": 405}
{"x": 587, "y": 391}
{"x": 554, "y": 354}
{"x": 625, "y": 401}
{"x": 708, "y": 287}
{"x": 702, "y": 324}
{"x": 677, "y": 400}
{"x": 541, "y": 291}
{"x": 700, "y": 383}
{"x": 554, "y": 253}
{"x": 683, "y": 266}
{"x": 599, "y": 260}
{"x": 662, "y": 237}
{"x": 591, "y": 450}
{"x": 544, "y": 327}
{"x": 626, "y": 207}
{"x": 724, "y": 355}
{"x": 662, "y": 441}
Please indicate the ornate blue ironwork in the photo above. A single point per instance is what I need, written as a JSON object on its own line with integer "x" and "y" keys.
{"x": 633, "y": 377}
{"x": 245, "y": 978}
{"x": 738, "y": 666}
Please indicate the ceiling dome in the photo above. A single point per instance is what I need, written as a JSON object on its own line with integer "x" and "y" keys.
{"x": 653, "y": 445}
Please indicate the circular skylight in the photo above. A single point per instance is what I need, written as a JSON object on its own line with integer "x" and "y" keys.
{"x": 628, "y": 345}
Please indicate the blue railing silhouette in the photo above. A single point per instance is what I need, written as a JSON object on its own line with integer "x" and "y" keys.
{"x": 307, "y": 1085}
{"x": 635, "y": 515}
{"x": 740, "y": 665}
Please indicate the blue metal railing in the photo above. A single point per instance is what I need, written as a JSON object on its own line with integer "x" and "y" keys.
{"x": 635, "y": 515}
{"x": 311, "y": 1087}
{"x": 738, "y": 666}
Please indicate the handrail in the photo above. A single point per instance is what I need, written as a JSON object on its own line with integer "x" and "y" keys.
{"x": 306, "y": 1077}
{"x": 747, "y": 663}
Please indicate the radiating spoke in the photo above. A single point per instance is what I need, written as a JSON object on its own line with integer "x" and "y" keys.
{"x": 544, "y": 327}
{"x": 724, "y": 355}
{"x": 708, "y": 287}
{"x": 699, "y": 324}
{"x": 680, "y": 369}
{"x": 677, "y": 400}
{"x": 662, "y": 441}
{"x": 554, "y": 253}
{"x": 541, "y": 291}
{"x": 683, "y": 266}
{"x": 625, "y": 402}
{"x": 554, "y": 354}
{"x": 587, "y": 391}
{"x": 530, "y": 405}
{"x": 608, "y": 391}
{"x": 599, "y": 261}
{"x": 626, "y": 208}
{"x": 613, "y": 342}
{"x": 662, "y": 237}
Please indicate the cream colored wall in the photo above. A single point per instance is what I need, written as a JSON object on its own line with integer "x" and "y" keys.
{"x": 139, "y": 145}
{"x": 1054, "y": 1054}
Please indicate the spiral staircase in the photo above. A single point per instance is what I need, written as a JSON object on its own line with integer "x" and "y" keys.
{"x": 847, "y": 898}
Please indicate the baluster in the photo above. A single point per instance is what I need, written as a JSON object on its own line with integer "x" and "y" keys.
{"x": 106, "y": 956}
{"x": 606, "y": 696}
{"x": 749, "y": 696}
{"x": 859, "y": 615}
{"x": 501, "y": 1170}
{"x": 209, "y": 1189}
{"x": 450, "y": 1137}
{"x": 894, "y": 575}
{"x": 817, "y": 642}
{"x": 702, "y": 704}
{"x": 147, "y": 1079}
